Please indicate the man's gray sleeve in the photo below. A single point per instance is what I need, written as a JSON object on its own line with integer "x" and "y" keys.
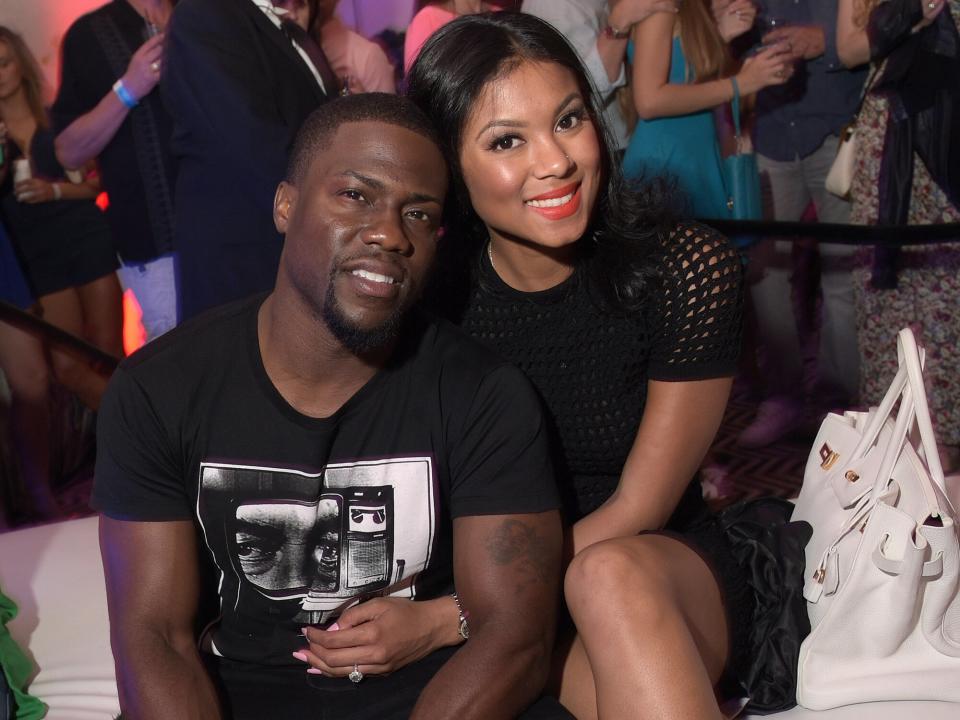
{"x": 580, "y": 22}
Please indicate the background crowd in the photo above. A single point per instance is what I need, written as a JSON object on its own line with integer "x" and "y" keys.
{"x": 153, "y": 166}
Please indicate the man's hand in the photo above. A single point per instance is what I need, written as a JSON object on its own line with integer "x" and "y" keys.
{"x": 627, "y": 13}
{"x": 381, "y": 635}
{"x": 805, "y": 42}
{"x": 143, "y": 72}
{"x": 771, "y": 66}
{"x": 734, "y": 18}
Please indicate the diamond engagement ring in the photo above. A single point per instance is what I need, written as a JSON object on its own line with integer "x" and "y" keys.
{"x": 355, "y": 675}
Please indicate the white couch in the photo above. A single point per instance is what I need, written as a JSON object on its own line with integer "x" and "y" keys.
{"x": 54, "y": 574}
{"x": 874, "y": 711}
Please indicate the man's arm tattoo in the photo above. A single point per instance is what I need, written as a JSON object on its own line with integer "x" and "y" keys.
{"x": 516, "y": 542}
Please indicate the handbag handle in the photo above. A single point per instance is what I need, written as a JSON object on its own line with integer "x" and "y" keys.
{"x": 913, "y": 409}
{"x": 884, "y": 410}
{"x": 735, "y": 111}
{"x": 908, "y": 354}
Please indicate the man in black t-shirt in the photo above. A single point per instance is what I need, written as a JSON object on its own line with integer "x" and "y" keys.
{"x": 326, "y": 446}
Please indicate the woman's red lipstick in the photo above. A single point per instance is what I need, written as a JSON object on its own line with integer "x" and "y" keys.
{"x": 557, "y": 212}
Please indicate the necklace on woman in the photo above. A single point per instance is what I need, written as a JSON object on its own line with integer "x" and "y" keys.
{"x": 490, "y": 255}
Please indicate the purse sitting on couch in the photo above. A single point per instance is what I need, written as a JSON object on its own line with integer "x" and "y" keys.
{"x": 883, "y": 564}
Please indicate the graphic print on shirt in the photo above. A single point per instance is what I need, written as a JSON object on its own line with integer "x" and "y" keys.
{"x": 312, "y": 544}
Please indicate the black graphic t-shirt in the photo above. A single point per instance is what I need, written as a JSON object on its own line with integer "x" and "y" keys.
{"x": 301, "y": 516}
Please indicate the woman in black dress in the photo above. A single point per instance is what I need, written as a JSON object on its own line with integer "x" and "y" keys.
{"x": 627, "y": 322}
{"x": 60, "y": 235}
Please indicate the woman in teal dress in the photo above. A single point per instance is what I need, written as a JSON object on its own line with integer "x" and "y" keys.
{"x": 681, "y": 72}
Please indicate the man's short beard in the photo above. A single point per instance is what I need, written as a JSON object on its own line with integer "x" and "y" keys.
{"x": 356, "y": 339}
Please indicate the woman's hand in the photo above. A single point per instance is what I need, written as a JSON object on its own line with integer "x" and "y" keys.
{"x": 931, "y": 9}
{"x": 34, "y": 190}
{"x": 735, "y": 19}
{"x": 771, "y": 66}
{"x": 381, "y": 635}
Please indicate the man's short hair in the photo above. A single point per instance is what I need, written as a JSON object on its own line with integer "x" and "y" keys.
{"x": 317, "y": 131}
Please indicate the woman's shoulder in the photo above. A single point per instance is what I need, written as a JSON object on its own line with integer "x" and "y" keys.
{"x": 693, "y": 247}
{"x": 699, "y": 267}
{"x": 424, "y": 24}
{"x": 430, "y": 18}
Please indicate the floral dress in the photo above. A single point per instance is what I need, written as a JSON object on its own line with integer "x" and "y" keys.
{"x": 927, "y": 297}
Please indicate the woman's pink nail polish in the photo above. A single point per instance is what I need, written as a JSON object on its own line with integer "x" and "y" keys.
{"x": 300, "y": 656}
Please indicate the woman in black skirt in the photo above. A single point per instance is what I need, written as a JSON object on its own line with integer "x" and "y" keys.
{"x": 60, "y": 235}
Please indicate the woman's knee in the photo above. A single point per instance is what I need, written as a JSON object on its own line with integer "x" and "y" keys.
{"x": 30, "y": 384}
{"x": 68, "y": 371}
{"x": 623, "y": 570}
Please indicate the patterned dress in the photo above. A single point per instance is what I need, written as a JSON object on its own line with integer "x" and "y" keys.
{"x": 927, "y": 297}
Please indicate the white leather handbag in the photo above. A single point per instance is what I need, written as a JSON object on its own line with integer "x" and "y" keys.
{"x": 883, "y": 564}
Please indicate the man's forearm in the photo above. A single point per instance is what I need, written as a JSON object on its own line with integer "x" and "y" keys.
{"x": 84, "y": 139}
{"x": 507, "y": 570}
{"x": 489, "y": 676}
{"x": 161, "y": 681}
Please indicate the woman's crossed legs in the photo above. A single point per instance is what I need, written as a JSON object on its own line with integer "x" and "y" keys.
{"x": 651, "y": 632}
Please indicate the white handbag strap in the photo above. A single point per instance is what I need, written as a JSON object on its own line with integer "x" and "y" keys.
{"x": 931, "y": 568}
{"x": 909, "y": 356}
{"x": 898, "y": 440}
{"x": 885, "y": 408}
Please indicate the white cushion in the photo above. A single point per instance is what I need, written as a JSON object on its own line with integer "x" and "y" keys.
{"x": 872, "y": 711}
{"x": 54, "y": 574}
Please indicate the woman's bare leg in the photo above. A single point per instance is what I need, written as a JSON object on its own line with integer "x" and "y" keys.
{"x": 25, "y": 366}
{"x": 101, "y": 302}
{"x": 63, "y": 309}
{"x": 572, "y": 681}
{"x": 651, "y": 626}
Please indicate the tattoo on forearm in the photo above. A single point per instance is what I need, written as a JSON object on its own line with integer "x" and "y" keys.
{"x": 517, "y": 542}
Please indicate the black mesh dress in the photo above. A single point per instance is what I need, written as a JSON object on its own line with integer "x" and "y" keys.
{"x": 591, "y": 362}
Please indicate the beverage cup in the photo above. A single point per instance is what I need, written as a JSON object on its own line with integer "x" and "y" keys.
{"x": 21, "y": 170}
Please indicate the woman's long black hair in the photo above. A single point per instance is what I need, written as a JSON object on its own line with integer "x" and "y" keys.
{"x": 623, "y": 243}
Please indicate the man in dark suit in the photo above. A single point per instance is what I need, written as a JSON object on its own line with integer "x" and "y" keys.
{"x": 238, "y": 87}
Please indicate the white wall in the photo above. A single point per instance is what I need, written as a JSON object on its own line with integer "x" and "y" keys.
{"x": 42, "y": 24}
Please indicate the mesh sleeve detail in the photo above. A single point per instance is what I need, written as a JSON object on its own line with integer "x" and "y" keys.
{"x": 698, "y": 316}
